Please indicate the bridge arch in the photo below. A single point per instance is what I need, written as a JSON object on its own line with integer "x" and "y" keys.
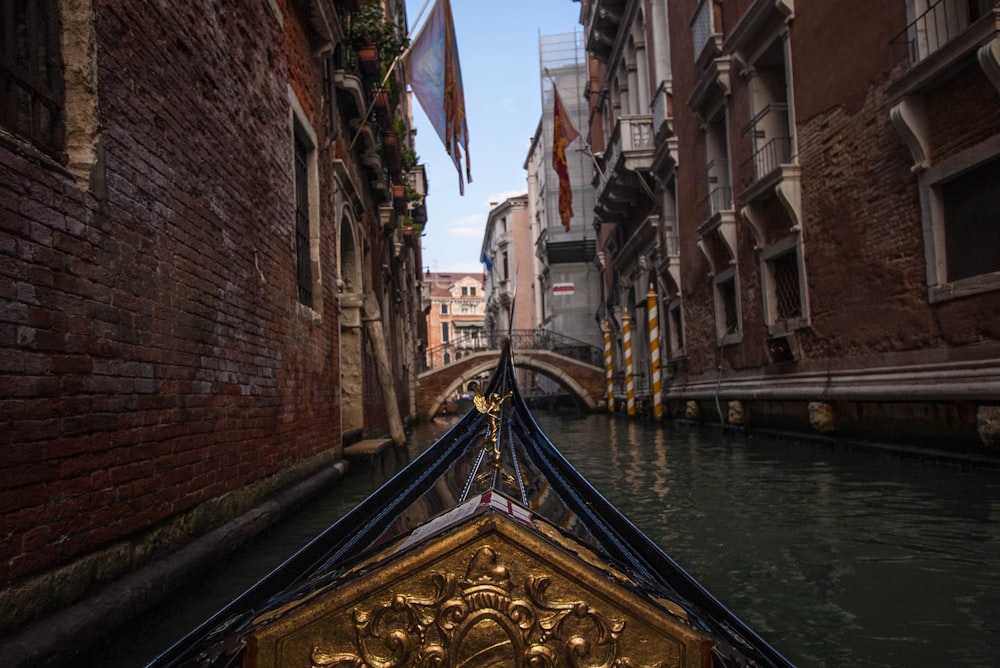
{"x": 584, "y": 381}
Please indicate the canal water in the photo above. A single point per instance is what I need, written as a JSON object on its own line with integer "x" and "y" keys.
{"x": 836, "y": 556}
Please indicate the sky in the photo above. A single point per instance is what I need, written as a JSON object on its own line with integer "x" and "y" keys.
{"x": 498, "y": 52}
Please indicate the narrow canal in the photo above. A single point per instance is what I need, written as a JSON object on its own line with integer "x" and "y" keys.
{"x": 836, "y": 556}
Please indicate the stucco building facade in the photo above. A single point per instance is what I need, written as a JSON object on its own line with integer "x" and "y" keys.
{"x": 511, "y": 267}
{"x": 456, "y": 315}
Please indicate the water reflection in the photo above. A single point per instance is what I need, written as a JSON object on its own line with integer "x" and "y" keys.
{"x": 836, "y": 557}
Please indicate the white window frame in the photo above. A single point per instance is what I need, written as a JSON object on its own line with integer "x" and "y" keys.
{"x": 776, "y": 327}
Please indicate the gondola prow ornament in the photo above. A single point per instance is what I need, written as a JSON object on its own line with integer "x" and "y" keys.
{"x": 490, "y": 406}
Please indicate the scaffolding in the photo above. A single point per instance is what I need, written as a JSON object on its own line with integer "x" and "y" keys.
{"x": 563, "y": 62}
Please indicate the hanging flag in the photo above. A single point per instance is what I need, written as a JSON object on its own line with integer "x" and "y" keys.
{"x": 436, "y": 80}
{"x": 485, "y": 259}
{"x": 563, "y": 134}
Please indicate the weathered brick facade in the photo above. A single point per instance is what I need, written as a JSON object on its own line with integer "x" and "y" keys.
{"x": 804, "y": 159}
{"x": 159, "y": 374}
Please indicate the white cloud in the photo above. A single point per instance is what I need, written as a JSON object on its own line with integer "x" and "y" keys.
{"x": 498, "y": 197}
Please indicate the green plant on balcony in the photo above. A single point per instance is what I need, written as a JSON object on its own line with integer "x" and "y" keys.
{"x": 368, "y": 26}
{"x": 411, "y": 194}
{"x": 408, "y": 157}
{"x": 410, "y": 226}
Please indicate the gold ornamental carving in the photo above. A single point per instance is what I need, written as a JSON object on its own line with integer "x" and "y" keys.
{"x": 490, "y": 406}
{"x": 483, "y": 619}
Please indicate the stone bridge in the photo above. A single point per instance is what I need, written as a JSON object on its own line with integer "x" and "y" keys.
{"x": 581, "y": 379}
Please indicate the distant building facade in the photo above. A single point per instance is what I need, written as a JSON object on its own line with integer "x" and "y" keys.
{"x": 809, "y": 191}
{"x": 455, "y": 315}
{"x": 507, "y": 243}
{"x": 567, "y": 286}
{"x": 199, "y": 233}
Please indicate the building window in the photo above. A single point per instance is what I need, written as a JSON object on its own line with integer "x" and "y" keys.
{"x": 769, "y": 130}
{"x": 305, "y": 173}
{"x": 445, "y": 333}
{"x": 727, "y": 307}
{"x": 784, "y": 275}
{"x": 961, "y": 207}
{"x": 472, "y": 291}
{"x": 465, "y": 291}
{"x": 703, "y": 26}
{"x": 785, "y": 303}
{"x": 330, "y": 98}
{"x": 971, "y": 204}
{"x": 444, "y": 309}
{"x": 675, "y": 326}
{"x": 31, "y": 73}
{"x": 446, "y": 357}
{"x": 715, "y": 175}
{"x": 303, "y": 261}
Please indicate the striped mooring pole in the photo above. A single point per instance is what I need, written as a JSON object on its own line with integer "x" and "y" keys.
{"x": 654, "y": 351}
{"x": 629, "y": 376}
{"x": 608, "y": 368}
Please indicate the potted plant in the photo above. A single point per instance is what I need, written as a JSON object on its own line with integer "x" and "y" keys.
{"x": 380, "y": 101}
{"x": 370, "y": 33}
{"x": 390, "y": 153}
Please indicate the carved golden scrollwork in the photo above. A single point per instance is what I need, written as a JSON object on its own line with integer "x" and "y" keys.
{"x": 484, "y": 619}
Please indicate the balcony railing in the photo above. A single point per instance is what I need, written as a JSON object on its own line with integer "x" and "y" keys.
{"x": 632, "y": 133}
{"x": 766, "y": 159}
{"x": 482, "y": 340}
{"x": 718, "y": 200}
{"x": 939, "y": 24}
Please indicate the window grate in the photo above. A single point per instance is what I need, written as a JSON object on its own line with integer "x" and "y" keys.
{"x": 31, "y": 72}
{"x": 785, "y": 274}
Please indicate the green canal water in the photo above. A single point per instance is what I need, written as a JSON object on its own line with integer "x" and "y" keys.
{"x": 838, "y": 557}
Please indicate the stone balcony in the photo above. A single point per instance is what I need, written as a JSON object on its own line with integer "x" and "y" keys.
{"x": 603, "y": 26}
{"x": 630, "y": 152}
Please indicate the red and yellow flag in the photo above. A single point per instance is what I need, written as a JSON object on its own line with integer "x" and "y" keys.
{"x": 563, "y": 134}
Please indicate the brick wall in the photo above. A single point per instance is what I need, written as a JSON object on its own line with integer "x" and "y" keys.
{"x": 863, "y": 234}
{"x": 862, "y": 226}
{"x": 152, "y": 352}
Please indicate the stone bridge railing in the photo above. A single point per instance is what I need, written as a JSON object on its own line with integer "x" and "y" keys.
{"x": 580, "y": 378}
{"x": 480, "y": 340}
